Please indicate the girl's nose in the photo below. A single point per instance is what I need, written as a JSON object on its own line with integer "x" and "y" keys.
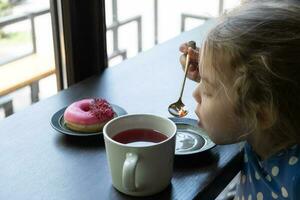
{"x": 197, "y": 95}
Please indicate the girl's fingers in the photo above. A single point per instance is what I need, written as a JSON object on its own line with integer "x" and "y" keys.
{"x": 194, "y": 54}
{"x": 182, "y": 60}
{"x": 193, "y": 72}
{"x": 194, "y": 75}
{"x": 193, "y": 68}
{"x": 193, "y": 63}
{"x": 184, "y": 48}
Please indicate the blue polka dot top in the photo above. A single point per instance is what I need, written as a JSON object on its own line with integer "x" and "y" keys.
{"x": 277, "y": 177}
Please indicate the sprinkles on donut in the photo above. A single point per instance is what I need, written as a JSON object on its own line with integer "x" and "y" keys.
{"x": 88, "y": 115}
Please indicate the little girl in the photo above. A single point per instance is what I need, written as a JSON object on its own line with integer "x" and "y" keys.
{"x": 249, "y": 90}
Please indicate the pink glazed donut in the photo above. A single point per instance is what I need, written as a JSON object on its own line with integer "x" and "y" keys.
{"x": 88, "y": 115}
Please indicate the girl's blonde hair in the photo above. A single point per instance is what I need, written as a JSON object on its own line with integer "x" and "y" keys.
{"x": 262, "y": 41}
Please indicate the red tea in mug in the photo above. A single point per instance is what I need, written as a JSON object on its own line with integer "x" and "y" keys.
{"x": 139, "y": 137}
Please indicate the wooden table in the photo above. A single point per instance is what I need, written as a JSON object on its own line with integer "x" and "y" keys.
{"x": 37, "y": 162}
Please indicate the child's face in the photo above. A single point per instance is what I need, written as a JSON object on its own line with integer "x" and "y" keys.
{"x": 215, "y": 110}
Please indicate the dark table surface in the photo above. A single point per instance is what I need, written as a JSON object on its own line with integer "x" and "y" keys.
{"x": 37, "y": 162}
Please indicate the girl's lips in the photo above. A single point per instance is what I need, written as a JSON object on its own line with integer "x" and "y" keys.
{"x": 199, "y": 120}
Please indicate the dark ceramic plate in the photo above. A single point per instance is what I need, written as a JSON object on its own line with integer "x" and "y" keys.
{"x": 57, "y": 122}
{"x": 190, "y": 138}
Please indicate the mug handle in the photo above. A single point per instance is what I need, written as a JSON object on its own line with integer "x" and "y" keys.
{"x": 128, "y": 174}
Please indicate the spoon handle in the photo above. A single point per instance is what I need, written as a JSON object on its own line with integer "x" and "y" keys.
{"x": 187, "y": 63}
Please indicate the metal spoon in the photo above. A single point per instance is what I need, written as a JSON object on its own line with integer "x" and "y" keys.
{"x": 178, "y": 109}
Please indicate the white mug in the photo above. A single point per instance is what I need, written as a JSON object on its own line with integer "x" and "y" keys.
{"x": 140, "y": 170}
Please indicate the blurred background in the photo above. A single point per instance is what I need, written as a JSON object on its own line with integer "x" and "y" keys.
{"x": 27, "y": 66}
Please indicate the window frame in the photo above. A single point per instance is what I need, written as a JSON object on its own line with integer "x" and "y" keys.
{"x": 79, "y": 34}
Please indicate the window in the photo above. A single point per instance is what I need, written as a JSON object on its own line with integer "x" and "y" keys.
{"x": 134, "y": 25}
{"x": 27, "y": 69}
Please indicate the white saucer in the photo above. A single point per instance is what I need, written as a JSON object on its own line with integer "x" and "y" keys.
{"x": 190, "y": 138}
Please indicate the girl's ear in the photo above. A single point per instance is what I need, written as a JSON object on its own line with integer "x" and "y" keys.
{"x": 266, "y": 117}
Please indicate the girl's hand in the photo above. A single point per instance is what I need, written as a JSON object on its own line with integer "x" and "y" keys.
{"x": 193, "y": 72}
